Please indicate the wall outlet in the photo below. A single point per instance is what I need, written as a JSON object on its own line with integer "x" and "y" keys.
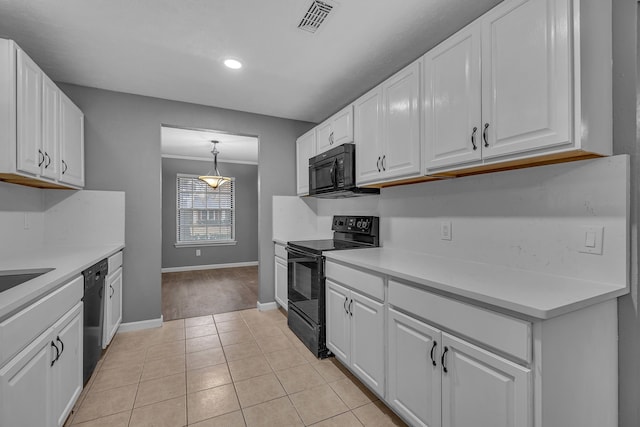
{"x": 445, "y": 230}
{"x": 198, "y": 252}
{"x": 591, "y": 240}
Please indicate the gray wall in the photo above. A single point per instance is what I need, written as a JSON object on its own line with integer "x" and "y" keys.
{"x": 246, "y": 204}
{"x": 122, "y": 144}
{"x": 625, "y": 141}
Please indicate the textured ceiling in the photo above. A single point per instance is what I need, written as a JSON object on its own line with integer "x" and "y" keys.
{"x": 173, "y": 49}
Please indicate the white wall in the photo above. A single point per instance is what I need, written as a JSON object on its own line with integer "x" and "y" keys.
{"x": 529, "y": 218}
{"x": 62, "y": 218}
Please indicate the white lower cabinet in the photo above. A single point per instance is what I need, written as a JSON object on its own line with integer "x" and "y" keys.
{"x": 113, "y": 299}
{"x": 414, "y": 370}
{"x": 67, "y": 367}
{"x": 113, "y": 314}
{"x": 354, "y": 326}
{"x": 438, "y": 361}
{"x": 436, "y": 379}
{"x": 40, "y": 385}
{"x": 280, "y": 275}
{"x": 481, "y": 388}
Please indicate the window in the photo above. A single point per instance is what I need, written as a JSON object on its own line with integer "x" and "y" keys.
{"x": 204, "y": 215}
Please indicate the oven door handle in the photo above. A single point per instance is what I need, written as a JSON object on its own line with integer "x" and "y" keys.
{"x": 298, "y": 256}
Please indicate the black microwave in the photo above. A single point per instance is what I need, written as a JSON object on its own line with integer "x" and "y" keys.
{"x": 332, "y": 174}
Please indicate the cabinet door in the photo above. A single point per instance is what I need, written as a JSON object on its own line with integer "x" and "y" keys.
{"x": 305, "y": 148}
{"x": 67, "y": 369}
{"x": 368, "y": 136}
{"x": 280, "y": 268}
{"x": 414, "y": 370}
{"x": 29, "y": 116}
{"x": 342, "y": 126}
{"x": 71, "y": 143}
{"x": 25, "y": 386}
{"x": 526, "y": 76}
{"x": 324, "y": 135}
{"x": 50, "y": 128}
{"x": 480, "y": 388}
{"x": 367, "y": 341}
{"x": 401, "y": 125}
{"x": 452, "y": 102}
{"x": 114, "y": 289}
{"x": 338, "y": 323}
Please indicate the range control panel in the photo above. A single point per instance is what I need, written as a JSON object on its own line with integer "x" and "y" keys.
{"x": 356, "y": 224}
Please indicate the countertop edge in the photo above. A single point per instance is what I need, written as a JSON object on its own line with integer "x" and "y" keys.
{"x": 487, "y": 300}
{"x": 16, "y": 299}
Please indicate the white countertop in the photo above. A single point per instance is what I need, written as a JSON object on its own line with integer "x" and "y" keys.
{"x": 532, "y": 294}
{"x": 68, "y": 262}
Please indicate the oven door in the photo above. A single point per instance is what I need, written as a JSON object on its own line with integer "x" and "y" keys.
{"x": 305, "y": 282}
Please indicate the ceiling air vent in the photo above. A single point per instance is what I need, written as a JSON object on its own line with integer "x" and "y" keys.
{"x": 315, "y": 16}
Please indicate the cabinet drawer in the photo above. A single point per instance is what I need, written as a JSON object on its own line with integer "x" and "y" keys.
{"x": 366, "y": 283}
{"x": 22, "y": 328}
{"x": 280, "y": 251}
{"x": 114, "y": 261}
{"x": 504, "y": 333}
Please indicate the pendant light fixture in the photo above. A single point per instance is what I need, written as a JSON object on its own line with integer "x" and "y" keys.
{"x": 213, "y": 177}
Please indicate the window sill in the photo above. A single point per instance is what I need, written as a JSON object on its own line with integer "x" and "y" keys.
{"x": 201, "y": 244}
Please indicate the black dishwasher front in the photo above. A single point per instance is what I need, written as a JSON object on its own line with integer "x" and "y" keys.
{"x": 94, "y": 278}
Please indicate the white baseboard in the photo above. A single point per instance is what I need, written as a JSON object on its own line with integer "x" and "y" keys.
{"x": 266, "y": 306}
{"x": 143, "y": 324}
{"x": 209, "y": 266}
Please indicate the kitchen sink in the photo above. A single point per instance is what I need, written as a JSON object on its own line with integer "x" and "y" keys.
{"x": 11, "y": 278}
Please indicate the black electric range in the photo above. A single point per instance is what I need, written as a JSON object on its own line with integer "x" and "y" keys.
{"x": 306, "y": 278}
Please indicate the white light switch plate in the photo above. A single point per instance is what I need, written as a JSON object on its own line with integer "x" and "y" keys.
{"x": 445, "y": 230}
{"x": 590, "y": 240}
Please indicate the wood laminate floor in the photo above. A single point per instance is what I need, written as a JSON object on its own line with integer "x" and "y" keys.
{"x": 205, "y": 292}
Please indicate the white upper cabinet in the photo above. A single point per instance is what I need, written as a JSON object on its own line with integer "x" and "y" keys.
{"x": 387, "y": 129}
{"x": 526, "y": 76}
{"x": 29, "y": 115}
{"x": 336, "y": 130}
{"x": 71, "y": 143}
{"x": 305, "y": 149}
{"x": 368, "y": 135}
{"x": 401, "y": 123}
{"x": 50, "y": 128}
{"x": 516, "y": 84}
{"x": 42, "y": 131}
{"x": 451, "y": 96}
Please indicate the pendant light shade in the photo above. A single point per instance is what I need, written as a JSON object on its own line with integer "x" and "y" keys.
{"x": 213, "y": 178}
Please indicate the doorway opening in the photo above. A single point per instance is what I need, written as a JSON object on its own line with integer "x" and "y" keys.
{"x": 209, "y": 235}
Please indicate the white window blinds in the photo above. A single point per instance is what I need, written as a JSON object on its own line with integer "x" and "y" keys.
{"x": 204, "y": 214}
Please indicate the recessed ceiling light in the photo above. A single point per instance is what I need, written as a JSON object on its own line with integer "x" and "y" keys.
{"x": 233, "y": 63}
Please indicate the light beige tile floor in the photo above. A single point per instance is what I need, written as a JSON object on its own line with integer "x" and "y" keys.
{"x": 244, "y": 368}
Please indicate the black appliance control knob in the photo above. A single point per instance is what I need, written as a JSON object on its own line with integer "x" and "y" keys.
{"x": 359, "y": 224}
{"x": 365, "y": 225}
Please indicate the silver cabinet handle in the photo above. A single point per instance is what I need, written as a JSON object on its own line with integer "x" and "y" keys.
{"x": 350, "y": 312}
{"x": 46, "y": 165}
{"x": 384, "y": 162}
{"x": 344, "y": 305}
{"x": 331, "y": 138}
{"x": 378, "y": 164}
{"x": 65, "y": 167}
{"x": 40, "y": 158}
{"x": 473, "y": 138}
